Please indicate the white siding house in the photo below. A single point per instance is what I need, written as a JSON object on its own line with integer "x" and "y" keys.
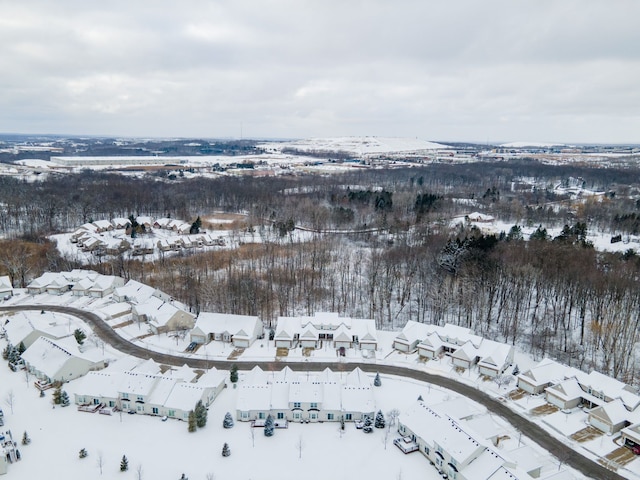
{"x": 241, "y": 330}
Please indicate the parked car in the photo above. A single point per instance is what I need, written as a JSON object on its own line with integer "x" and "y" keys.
{"x": 635, "y": 449}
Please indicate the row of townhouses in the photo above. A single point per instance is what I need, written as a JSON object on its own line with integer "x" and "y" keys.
{"x": 613, "y": 406}
{"x": 465, "y": 349}
{"x": 144, "y": 389}
{"x": 463, "y": 443}
{"x": 290, "y": 396}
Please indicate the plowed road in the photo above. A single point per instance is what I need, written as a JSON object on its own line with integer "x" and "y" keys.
{"x": 541, "y": 437}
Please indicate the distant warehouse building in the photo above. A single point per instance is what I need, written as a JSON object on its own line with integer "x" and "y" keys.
{"x": 117, "y": 160}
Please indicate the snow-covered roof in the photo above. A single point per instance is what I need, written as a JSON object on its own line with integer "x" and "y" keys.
{"x": 21, "y": 324}
{"x": 184, "y": 396}
{"x": 613, "y": 412}
{"x": 135, "y": 292}
{"x": 209, "y": 322}
{"x": 566, "y": 390}
{"x": 134, "y": 383}
{"x": 5, "y": 284}
{"x": 104, "y": 384}
{"x": 444, "y": 431}
{"x": 310, "y": 327}
{"x": 545, "y": 372}
{"x": 49, "y": 356}
{"x": 106, "y": 282}
{"x": 494, "y": 354}
{"x": 103, "y": 224}
{"x": 459, "y": 409}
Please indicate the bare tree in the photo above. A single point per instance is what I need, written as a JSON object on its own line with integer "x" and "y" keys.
{"x": 139, "y": 472}
{"x": 393, "y": 416}
{"x": 385, "y": 439}
{"x": 100, "y": 461}
{"x": 10, "y": 399}
{"x": 300, "y": 446}
{"x": 211, "y": 476}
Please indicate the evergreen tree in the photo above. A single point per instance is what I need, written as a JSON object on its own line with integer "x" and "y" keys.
{"x": 82, "y": 453}
{"x": 516, "y": 370}
{"x": 201, "y": 414}
{"x": 25, "y": 438}
{"x": 124, "y": 464}
{"x": 420, "y": 399}
{"x": 192, "y": 422}
{"x": 21, "y": 348}
{"x": 226, "y": 451}
{"x": 7, "y": 351}
{"x": 380, "y": 422}
{"x": 269, "y": 427}
{"x": 367, "y": 428}
{"x": 228, "y": 421}
{"x": 195, "y": 226}
{"x": 57, "y": 395}
{"x": 233, "y": 373}
{"x": 13, "y": 356}
{"x": 80, "y": 336}
{"x": 64, "y": 399}
{"x": 376, "y": 381}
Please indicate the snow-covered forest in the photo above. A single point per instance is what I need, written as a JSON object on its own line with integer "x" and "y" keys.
{"x": 379, "y": 244}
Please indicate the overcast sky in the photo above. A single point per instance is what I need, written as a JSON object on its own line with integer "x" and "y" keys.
{"x": 475, "y": 70}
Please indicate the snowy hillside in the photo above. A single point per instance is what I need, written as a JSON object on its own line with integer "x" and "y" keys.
{"x": 358, "y": 145}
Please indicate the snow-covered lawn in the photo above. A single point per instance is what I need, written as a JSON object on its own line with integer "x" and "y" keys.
{"x": 166, "y": 449}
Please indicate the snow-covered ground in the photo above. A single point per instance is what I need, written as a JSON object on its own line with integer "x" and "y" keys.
{"x": 356, "y": 145}
{"x": 60, "y": 433}
{"x": 166, "y": 449}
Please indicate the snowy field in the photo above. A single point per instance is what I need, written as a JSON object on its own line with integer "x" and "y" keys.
{"x": 165, "y": 450}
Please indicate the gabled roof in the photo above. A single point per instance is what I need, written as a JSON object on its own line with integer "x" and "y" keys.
{"x": 49, "y": 356}
{"x": 466, "y": 352}
{"x": 613, "y": 412}
{"x": 495, "y": 354}
{"x": 546, "y": 371}
{"x": 433, "y": 428}
{"x": 242, "y": 325}
{"x": 566, "y": 390}
{"x": 5, "y": 284}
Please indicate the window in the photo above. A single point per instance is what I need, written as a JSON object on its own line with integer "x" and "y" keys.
{"x": 112, "y": 403}
{"x": 280, "y": 416}
{"x": 155, "y": 410}
{"x": 348, "y": 416}
{"x": 426, "y": 450}
{"x": 244, "y": 414}
{"x": 139, "y": 398}
{"x": 296, "y": 404}
{"x": 96, "y": 401}
{"x": 140, "y": 408}
{"x": 261, "y": 415}
{"x": 314, "y": 405}
{"x": 172, "y": 413}
{"x": 125, "y": 396}
{"x": 296, "y": 416}
{"x": 329, "y": 416}
{"x": 313, "y": 416}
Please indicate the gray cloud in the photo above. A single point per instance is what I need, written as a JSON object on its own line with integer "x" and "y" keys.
{"x": 542, "y": 70}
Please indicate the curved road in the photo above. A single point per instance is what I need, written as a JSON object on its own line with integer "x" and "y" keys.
{"x": 568, "y": 455}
